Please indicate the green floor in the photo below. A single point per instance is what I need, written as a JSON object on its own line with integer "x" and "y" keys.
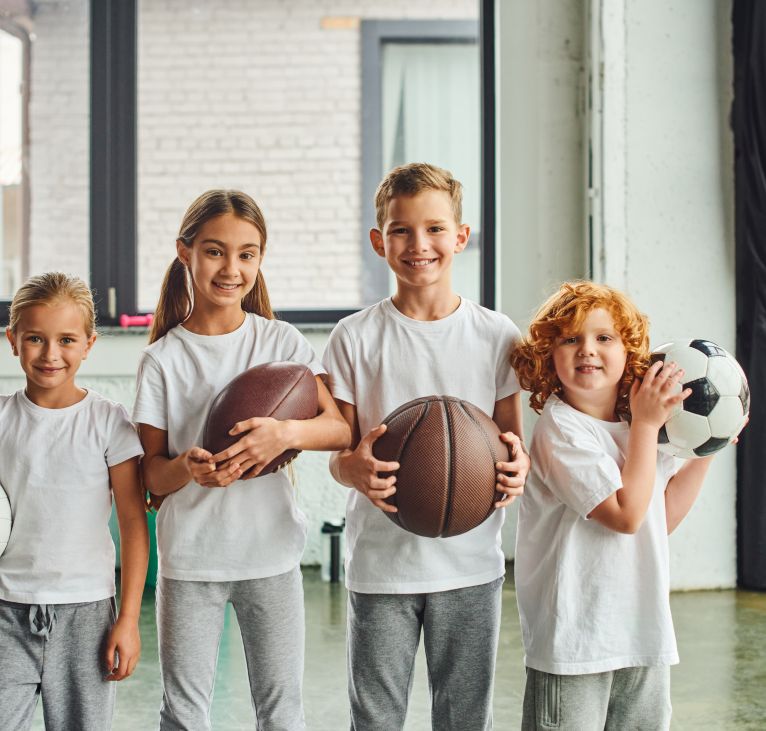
{"x": 720, "y": 683}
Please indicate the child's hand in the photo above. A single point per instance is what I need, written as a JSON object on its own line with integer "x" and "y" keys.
{"x": 201, "y": 467}
{"x": 123, "y": 648}
{"x": 512, "y": 485}
{"x": 654, "y": 399}
{"x": 263, "y": 441}
{"x": 361, "y": 468}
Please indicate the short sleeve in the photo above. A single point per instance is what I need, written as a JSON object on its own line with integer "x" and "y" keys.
{"x": 338, "y": 360}
{"x": 297, "y": 349}
{"x": 124, "y": 443}
{"x": 150, "y": 406}
{"x": 506, "y": 382}
{"x": 576, "y": 469}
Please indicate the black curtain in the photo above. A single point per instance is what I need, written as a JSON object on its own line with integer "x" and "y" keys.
{"x": 749, "y": 124}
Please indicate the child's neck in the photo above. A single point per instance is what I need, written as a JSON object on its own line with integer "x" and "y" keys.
{"x": 425, "y": 304}
{"x": 216, "y": 321}
{"x": 66, "y": 395}
{"x": 604, "y": 409}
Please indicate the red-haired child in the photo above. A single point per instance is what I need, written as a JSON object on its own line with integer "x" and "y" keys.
{"x": 592, "y": 569}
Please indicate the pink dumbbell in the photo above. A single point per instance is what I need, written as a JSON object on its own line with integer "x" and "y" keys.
{"x": 136, "y": 320}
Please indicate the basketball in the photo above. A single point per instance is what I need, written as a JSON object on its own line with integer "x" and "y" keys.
{"x": 281, "y": 390}
{"x": 446, "y": 449}
{"x": 5, "y": 520}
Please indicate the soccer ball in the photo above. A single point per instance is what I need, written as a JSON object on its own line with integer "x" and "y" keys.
{"x": 5, "y": 520}
{"x": 717, "y": 408}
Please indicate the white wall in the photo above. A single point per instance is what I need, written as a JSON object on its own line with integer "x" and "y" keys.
{"x": 541, "y": 215}
{"x": 677, "y": 256}
{"x": 663, "y": 212}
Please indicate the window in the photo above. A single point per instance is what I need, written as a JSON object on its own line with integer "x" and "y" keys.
{"x": 269, "y": 97}
{"x": 422, "y": 102}
{"x": 13, "y": 224}
{"x": 44, "y": 140}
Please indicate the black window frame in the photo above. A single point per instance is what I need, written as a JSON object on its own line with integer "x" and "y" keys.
{"x": 113, "y": 164}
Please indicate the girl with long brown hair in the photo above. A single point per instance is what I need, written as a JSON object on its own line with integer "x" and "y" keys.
{"x": 222, "y": 539}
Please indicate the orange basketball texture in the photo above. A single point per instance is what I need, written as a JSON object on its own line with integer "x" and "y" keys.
{"x": 282, "y": 390}
{"x": 447, "y": 449}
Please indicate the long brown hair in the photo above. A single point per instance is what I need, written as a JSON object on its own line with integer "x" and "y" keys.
{"x": 175, "y": 301}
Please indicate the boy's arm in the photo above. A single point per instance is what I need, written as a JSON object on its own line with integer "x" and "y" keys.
{"x": 683, "y": 489}
{"x": 124, "y": 638}
{"x": 357, "y": 467}
{"x": 512, "y": 475}
{"x": 652, "y": 402}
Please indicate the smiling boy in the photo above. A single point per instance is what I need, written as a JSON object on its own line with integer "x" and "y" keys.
{"x": 425, "y": 339}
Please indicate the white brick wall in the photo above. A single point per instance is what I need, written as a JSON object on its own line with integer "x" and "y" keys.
{"x": 257, "y": 96}
{"x": 59, "y": 135}
{"x": 236, "y": 93}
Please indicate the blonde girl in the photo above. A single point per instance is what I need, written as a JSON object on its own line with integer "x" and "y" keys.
{"x": 592, "y": 544}
{"x": 222, "y": 539}
{"x": 65, "y": 453}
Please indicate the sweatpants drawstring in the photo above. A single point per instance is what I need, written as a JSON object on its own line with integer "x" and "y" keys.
{"x": 42, "y": 619}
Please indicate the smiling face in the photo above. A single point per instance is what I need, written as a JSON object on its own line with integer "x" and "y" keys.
{"x": 223, "y": 260}
{"x": 51, "y": 342}
{"x": 420, "y": 238}
{"x": 590, "y": 365}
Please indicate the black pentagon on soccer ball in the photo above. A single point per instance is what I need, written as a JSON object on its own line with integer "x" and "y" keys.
{"x": 703, "y": 398}
{"x": 654, "y": 357}
{"x": 711, "y": 446}
{"x": 744, "y": 397}
{"x": 708, "y": 348}
{"x": 662, "y": 437}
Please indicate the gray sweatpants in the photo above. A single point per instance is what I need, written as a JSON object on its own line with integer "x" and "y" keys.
{"x": 630, "y": 698}
{"x": 190, "y": 618}
{"x": 56, "y": 651}
{"x": 460, "y": 633}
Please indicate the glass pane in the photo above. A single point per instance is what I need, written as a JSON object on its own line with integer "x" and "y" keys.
{"x": 45, "y": 139}
{"x": 11, "y": 190}
{"x": 265, "y": 97}
{"x": 432, "y": 113}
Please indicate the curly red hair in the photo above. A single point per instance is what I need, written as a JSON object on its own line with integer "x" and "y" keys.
{"x": 562, "y": 315}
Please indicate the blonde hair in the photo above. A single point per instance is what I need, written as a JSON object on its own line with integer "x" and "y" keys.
{"x": 562, "y": 315}
{"x": 409, "y": 180}
{"x": 53, "y": 288}
{"x": 175, "y": 302}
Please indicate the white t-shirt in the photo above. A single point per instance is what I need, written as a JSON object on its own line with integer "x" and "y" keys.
{"x": 590, "y": 599}
{"x": 379, "y": 359}
{"x": 54, "y": 466}
{"x": 252, "y": 528}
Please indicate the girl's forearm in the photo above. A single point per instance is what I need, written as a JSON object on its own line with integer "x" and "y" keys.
{"x": 163, "y": 475}
{"x": 325, "y": 432}
{"x": 134, "y": 557}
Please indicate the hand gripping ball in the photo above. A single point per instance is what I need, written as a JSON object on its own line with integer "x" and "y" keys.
{"x": 447, "y": 449}
{"x": 282, "y": 390}
{"x": 718, "y": 406}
